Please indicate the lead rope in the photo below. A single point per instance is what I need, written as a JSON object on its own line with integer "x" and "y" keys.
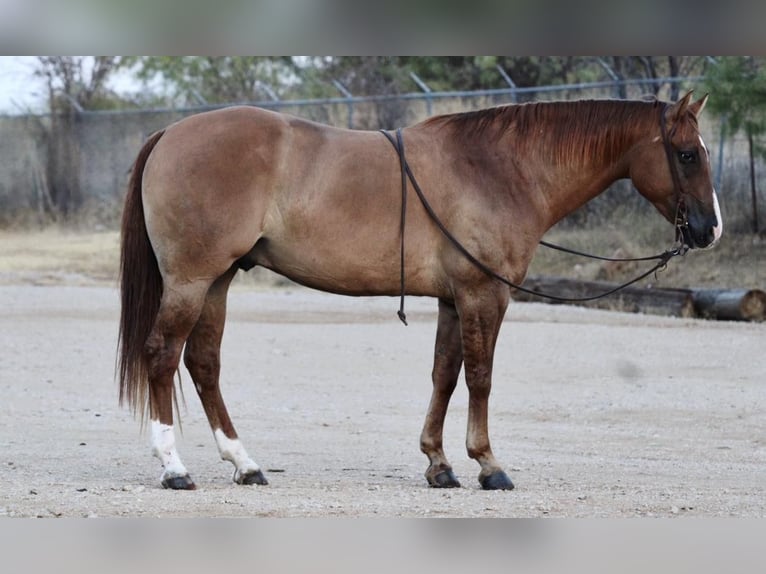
{"x": 398, "y": 144}
{"x": 403, "y": 163}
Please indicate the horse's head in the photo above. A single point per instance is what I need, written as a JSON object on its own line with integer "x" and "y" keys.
{"x": 671, "y": 168}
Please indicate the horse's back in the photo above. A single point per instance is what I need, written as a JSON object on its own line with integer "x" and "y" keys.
{"x": 316, "y": 203}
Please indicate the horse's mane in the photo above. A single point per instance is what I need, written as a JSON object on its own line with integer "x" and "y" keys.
{"x": 563, "y": 131}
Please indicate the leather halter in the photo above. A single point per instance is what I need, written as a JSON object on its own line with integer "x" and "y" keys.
{"x": 681, "y": 218}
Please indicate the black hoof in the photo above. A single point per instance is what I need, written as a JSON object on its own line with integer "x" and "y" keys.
{"x": 444, "y": 479}
{"x": 179, "y": 483}
{"x": 255, "y": 477}
{"x": 498, "y": 480}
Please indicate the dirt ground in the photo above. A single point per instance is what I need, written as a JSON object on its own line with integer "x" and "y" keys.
{"x": 593, "y": 413}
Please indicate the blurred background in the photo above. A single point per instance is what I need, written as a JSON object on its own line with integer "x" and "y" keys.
{"x": 70, "y": 127}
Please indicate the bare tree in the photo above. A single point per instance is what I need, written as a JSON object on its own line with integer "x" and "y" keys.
{"x": 74, "y": 84}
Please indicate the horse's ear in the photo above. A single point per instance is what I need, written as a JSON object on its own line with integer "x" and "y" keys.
{"x": 678, "y": 109}
{"x": 697, "y": 107}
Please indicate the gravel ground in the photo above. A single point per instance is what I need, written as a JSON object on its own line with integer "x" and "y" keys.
{"x": 594, "y": 413}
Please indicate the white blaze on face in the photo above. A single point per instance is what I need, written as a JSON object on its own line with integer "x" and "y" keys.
{"x": 718, "y": 229}
{"x": 164, "y": 448}
{"x": 702, "y": 143}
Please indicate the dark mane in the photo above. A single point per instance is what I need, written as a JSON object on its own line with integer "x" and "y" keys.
{"x": 565, "y": 131}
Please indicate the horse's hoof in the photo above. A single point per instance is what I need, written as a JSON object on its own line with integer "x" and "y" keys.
{"x": 498, "y": 480}
{"x": 444, "y": 479}
{"x": 251, "y": 477}
{"x": 179, "y": 483}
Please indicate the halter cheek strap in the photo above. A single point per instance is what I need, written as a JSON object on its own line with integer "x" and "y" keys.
{"x": 681, "y": 214}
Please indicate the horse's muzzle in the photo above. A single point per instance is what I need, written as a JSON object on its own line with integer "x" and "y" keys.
{"x": 703, "y": 228}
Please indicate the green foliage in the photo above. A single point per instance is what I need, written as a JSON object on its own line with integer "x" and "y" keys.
{"x": 372, "y": 75}
{"x": 200, "y": 79}
{"x": 220, "y": 79}
{"x": 368, "y": 75}
{"x": 737, "y": 87}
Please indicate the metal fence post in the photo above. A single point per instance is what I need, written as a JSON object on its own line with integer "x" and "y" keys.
{"x": 349, "y": 102}
{"x": 423, "y": 86}
{"x": 508, "y": 81}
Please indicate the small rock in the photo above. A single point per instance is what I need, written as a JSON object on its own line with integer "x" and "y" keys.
{"x": 131, "y": 488}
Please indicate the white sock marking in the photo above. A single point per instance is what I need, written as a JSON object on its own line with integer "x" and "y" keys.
{"x": 233, "y": 451}
{"x": 164, "y": 448}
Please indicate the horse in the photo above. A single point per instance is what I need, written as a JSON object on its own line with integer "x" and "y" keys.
{"x": 233, "y": 188}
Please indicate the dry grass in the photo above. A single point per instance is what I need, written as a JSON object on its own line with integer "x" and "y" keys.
{"x": 62, "y": 256}
{"x": 739, "y": 261}
{"x": 54, "y": 256}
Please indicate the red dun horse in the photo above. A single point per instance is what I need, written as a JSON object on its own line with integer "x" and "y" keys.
{"x": 234, "y": 188}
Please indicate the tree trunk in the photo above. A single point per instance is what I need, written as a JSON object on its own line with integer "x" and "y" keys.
{"x": 753, "y": 191}
{"x": 63, "y": 169}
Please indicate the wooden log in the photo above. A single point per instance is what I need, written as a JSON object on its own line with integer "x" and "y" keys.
{"x": 725, "y": 304}
{"x": 730, "y": 304}
{"x": 668, "y": 302}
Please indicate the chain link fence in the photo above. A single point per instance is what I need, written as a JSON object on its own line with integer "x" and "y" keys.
{"x": 58, "y": 166}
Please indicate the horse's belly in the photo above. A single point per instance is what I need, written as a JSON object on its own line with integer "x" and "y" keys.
{"x": 330, "y": 266}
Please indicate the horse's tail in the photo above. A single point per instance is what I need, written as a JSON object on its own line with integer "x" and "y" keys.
{"x": 141, "y": 290}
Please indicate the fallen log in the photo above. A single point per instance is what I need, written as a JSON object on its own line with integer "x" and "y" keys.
{"x": 727, "y": 304}
{"x": 732, "y": 305}
{"x": 674, "y": 303}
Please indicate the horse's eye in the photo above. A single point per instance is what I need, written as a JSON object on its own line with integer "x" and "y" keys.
{"x": 687, "y": 157}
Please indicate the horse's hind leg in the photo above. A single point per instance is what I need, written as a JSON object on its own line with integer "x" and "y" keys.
{"x": 203, "y": 359}
{"x": 179, "y": 309}
{"x": 448, "y": 359}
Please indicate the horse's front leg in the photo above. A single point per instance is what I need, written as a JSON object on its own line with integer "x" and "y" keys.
{"x": 448, "y": 359}
{"x": 481, "y": 313}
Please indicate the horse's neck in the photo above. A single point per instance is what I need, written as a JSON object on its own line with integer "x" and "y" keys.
{"x": 548, "y": 160}
{"x": 575, "y": 185}
{"x": 572, "y": 177}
